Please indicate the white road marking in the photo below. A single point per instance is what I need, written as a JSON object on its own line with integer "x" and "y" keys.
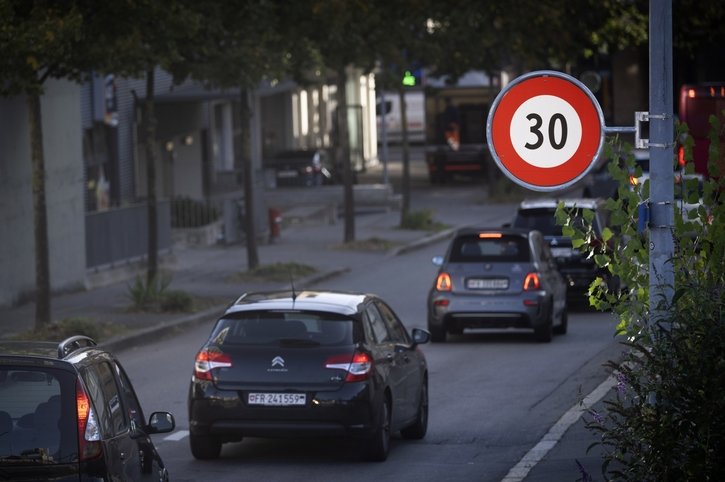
{"x": 178, "y": 435}
{"x": 552, "y": 437}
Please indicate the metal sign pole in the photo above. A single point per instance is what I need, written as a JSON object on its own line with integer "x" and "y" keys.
{"x": 661, "y": 148}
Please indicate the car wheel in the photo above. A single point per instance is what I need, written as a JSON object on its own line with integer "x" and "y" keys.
{"x": 378, "y": 445}
{"x": 204, "y": 447}
{"x": 437, "y": 334}
{"x": 561, "y": 329}
{"x": 420, "y": 426}
{"x": 544, "y": 333}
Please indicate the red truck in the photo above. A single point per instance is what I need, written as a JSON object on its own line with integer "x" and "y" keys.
{"x": 455, "y": 117}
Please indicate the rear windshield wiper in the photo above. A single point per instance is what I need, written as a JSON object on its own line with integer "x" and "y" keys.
{"x": 298, "y": 342}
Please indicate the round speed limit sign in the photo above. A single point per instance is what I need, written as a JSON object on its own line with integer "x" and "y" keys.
{"x": 545, "y": 130}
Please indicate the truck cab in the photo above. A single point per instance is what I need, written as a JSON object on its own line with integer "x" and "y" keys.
{"x": 456, "y": 127}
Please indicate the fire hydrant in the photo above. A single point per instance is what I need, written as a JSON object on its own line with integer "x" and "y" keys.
{"x": 275, "y": 224}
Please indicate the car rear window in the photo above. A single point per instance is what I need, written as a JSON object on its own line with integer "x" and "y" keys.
{"x": 37, "y": 416}
{"x": 286, "y": 327}
{"x": 472, "y": 248}
{"x": 540, "y": 219}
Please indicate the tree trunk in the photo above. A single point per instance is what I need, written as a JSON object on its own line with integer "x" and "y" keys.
{"x": 40, "y": 214}
{"x": 344, "y": 149}
{"x": 405, "y": 183}
{"x": 150, "y": 120}
{"x": 250, "y": 234}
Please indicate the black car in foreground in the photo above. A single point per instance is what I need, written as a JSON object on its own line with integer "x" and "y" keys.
{"x": 68, "y": 412}
{"x": 313, "y": 363}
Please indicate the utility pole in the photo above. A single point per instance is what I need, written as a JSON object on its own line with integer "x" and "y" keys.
{"x": 661, "y": 148}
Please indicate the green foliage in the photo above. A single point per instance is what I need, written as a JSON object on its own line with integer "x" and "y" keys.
{"x": 666, "y": 421}
{"x": 176, "y": 300}
{"x": 145, "y": 293}
{"x": 421, "y": 220}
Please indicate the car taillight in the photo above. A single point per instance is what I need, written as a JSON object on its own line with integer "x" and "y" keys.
{"x": 531, "y": 282}
{"x": 444, "y": 302}
{"x": 681, "y": 157}
{"x": 207, "y": 360}
{"x": 443, "y": 283}
{"x": 358, "y": 366}
{"x": 89, "y": 434}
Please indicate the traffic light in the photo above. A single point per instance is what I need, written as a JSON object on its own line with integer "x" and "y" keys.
{"x": 412, "y": 78}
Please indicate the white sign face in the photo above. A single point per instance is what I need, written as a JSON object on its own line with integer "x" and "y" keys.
{"x": 546, "y": 131}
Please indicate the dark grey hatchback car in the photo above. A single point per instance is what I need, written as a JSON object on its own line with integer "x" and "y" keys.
{"x": 313, "y": 363}
{"x": 68, "y": 412}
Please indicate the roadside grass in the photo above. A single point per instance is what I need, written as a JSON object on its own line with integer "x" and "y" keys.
{"x": 421, "y": 220}
{"x": 277, "y": 272}
{"x": 60, "y": 330}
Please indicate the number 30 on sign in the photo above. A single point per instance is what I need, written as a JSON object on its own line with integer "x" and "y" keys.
{"x": 545, "y": 130}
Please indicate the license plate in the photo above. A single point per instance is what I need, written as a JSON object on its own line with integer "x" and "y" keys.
{"x": 286, "y": 173}
{"x": 487, "y": 284}
{"x": 561, "y": 252}
{"x": 277, "y": 399}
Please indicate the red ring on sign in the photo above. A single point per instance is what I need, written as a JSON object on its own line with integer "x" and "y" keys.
{"x": 589, "y": 118}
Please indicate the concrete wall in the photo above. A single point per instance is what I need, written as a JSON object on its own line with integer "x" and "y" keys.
{"x": 64, "y": 193}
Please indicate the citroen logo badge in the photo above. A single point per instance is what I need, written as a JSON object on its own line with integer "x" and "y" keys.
{"x": 278, "y": 361}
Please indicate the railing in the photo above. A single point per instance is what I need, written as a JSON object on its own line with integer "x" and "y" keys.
{"x": 119, "y": 235}
{"x": 192, "y": 213}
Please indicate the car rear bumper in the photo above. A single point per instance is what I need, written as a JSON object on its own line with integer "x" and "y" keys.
{"x": 345, "y": 412}
{"x": 488, "y": 312}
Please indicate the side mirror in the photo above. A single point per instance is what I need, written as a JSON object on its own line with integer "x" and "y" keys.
{"x": 161, "y": 422}
{"x": 420, "y": 336}
{"x": 438, "y": 260}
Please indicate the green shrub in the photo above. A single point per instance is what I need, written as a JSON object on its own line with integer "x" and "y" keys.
{"x": 420, "y": 220}
{"x": 144, "y": 294}
{"x": 176, "y": 300}
{"x": 666, "y": 419}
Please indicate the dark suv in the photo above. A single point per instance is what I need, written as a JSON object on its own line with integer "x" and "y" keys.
{"x": 68, "y": 412}
{"x": 576, "y": 267}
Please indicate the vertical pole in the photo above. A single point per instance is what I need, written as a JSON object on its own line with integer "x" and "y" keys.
{"x": 384, "y": 135}
{"x": 661, "y": 149}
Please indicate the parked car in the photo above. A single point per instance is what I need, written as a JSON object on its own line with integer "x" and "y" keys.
{"x": 302, "y": 167}
{"x": 68, "y": 412}
{"x": 320, "y": 363}
{"x": 497, "y": 278}
{"x": 576, "y": 267}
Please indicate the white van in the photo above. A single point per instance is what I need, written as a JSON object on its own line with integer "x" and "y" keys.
{"x": 415, "y": 114}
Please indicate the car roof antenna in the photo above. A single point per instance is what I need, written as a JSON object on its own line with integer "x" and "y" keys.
{"x": 294, "y": 293}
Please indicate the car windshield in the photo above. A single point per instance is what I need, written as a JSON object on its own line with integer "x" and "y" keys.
{"x": 473, "y": 248}
{"x": 288, "y": 328}
{"x": 37, "y": 416}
